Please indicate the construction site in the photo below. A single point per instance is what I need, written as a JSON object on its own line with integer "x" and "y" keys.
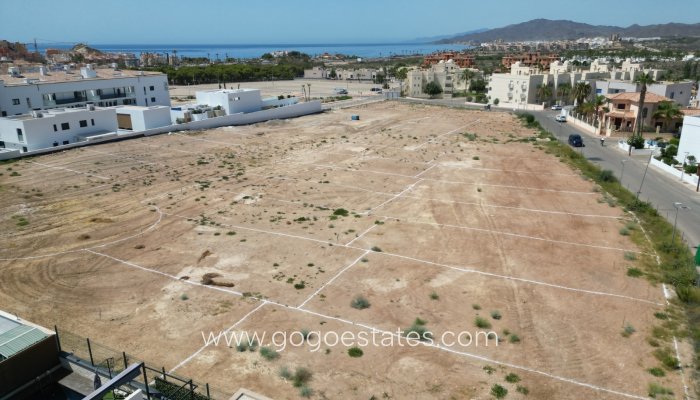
{"x": 436, "y": 219}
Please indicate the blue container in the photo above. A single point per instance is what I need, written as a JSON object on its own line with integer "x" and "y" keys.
{"x": 355, "y": 117}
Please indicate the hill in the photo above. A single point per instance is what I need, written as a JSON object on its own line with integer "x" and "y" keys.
{"x": 545, "y": 29}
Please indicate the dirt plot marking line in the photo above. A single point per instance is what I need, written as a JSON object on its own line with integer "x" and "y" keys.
{"x": 467, "y": 270}
{"x": 151, "y": 227}
{"x": 196, "y": 353}
{"x": 208, "y": 140}
{"x": 368, "y": 327}
{"x": 414, "y": 148}
{"x": 518, "y": 235}
{"x": 68, "y": 169}
{"x": 333, "y": 278}
{"x": 444, "y": 181}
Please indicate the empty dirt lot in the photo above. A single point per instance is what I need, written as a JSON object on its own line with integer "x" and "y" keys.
{"x": 447, "y": 215}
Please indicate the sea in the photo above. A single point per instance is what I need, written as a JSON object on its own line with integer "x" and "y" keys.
{"x": 246, "y": 51}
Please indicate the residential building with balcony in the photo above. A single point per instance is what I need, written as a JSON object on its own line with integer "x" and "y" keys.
{"x": 447, "y": 74}
{"x": 56, "y": 127}
{"x": 462, "y": 60}
{"x": 623, "y": 109}
{"x": 22, "y": 92}
{"x": 533, "y": 60}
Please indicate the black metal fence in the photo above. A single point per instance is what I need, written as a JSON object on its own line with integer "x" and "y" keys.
{"x": 156, "y": 382}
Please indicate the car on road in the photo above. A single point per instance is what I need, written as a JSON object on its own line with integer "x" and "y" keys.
{"x": 560, "y": 118}
{"x": 340, "y": 91}
{"x": 556, "y": 107}
{"x": 375, "y": 89}
{"x": 575, "y": 140}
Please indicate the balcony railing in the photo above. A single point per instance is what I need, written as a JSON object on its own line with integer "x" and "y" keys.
{"x": 70, "y": 100}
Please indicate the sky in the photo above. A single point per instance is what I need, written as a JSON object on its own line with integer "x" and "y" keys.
{"x": 305, "y": 21}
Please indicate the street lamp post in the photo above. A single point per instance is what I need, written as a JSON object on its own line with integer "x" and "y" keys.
{"x": 622, "y": 173}
{"x": 644, "y": 176}
{"x": 683, "y": 165}
{"x": 678, "y": 206}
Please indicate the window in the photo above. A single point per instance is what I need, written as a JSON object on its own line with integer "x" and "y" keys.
{"x": 2, "y": 144}
{"x": 55, "y": 128}
{"x": 153, "y": 99}
{"x": 24, "y": 149}
{"x": 144, "y": 90}
{"x": 92, "y": 121}
{"x": 621, "y": 106}
{"x": 4, "y": 114}
{"x": 673, "y": 94}
{"x": 20, "y": 135}
{"x": 152, "y": 88}
{"x": 66, "y": 142}
{"x": 55, "y": 144}
{"x": 83, "y": 123}
{"x": 15, "y": 102}
{"x": 65, "y": 126}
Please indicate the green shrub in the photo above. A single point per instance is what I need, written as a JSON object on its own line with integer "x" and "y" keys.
{"x": 306, "y": 391}
{"x": 269, "y": 353}
{"x": 514, "y": 338}
{"x": 634, "y": 272}
{"x": 475, "y": 158}
{"x": 661, "y": 315}
{"x": 489, "y": 369}
{"x": 496, "y": 314}
{"x": 658, "y": 372}
{"x": 629, "y": 256}
{"x": 482, "y": 323}
{"x": 355, "y": 352}
{"x": 476, "y": 306}
{"x": 434, "y": 296}
{"x": 512, "y": 378}
{"x": 628, "y": 330}
{"x": 285, "y": 373}
{"x": 359, "y": 303}
{"x": 377, "y": 249}
{"x": 667, "y": 358}
{"x": 301, "y": 376}
{"x": 184, "y": 296}
{"x": 636, "y": 141}
{"x": 498, "y": 391}
{"x": 341, "y": 212}
{"x": 607, "y": 175}
{"x": 522, "y": 389}
{"x": 655, "y": 389}
{"x": 624, "y": 231}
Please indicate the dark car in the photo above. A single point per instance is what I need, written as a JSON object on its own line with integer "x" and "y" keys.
{"x": 575, "y": 140}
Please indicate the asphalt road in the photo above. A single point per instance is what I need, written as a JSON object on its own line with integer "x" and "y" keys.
{"x": 659, "y": 189}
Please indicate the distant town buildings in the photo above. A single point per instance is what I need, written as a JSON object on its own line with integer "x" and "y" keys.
{"x": 447, "y": 74}
{"x": 462, "y": 60}
{"x": 535, "y": 59}
{"x": 345, "y": 74}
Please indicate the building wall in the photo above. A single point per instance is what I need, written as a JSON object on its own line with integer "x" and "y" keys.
{"x": 690, "y": 138}
{"x": 232, "y": 101}
{"x": 143, "y": 118}
{"x": 680, "y": 92}
{"x": 27, "y": 365}
{"x": 31, "y": 96}
{"x": 39, "y": 133}
{"x": 316, "y": 73}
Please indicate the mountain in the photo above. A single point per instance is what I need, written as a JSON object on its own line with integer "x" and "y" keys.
{"x": 545, "y": 29}
{"x": 432, "y": 39}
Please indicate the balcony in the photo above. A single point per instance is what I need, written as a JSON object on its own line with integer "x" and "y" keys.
{"x": 68, "y": 100}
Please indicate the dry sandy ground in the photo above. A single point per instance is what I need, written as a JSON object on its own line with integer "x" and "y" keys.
{"x": 119, "y": 236}
{"x": 319, "y": 88}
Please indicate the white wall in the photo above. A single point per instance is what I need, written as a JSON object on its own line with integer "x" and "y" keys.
{"x": 143, "y": 118}
{"x": 40, "y": 132}
{"x": 232, "y": 100}
{"x": 690, "y": 138}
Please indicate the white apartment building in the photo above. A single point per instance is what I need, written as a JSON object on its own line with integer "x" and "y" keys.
{"x": 232, "y": 101}
{"x": 680, "y": 92}
{"x": 690, "y": 138}
{"x": 447, "y": 74}
{"x": 136, "y": 118}
{"x": 55, "y": 127}
{"x": 22, "y": 92}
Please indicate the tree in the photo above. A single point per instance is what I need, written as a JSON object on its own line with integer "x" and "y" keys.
{"x": 477, "y": 85}
{"x": 668, "y": 111}
{"x": 563, "y": 92}
{"x": 643, "y": 79}
{"x": 598, "y": 102}
{"x": 333, "y": 74}
{"x": 401, "y": 73}
{"x": 433, "y": 89}
{"x": 544, "y": 92}
{"x": 467, "y": 74}
{"x": 587, "y": 108}
{"x": 581, "y": 91}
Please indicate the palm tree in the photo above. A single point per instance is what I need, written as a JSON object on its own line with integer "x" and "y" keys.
{"x": 587, "y": 108}
{"x": 563, "y": 91}
{"x": 581, "y": 92}
{"x": 644, "y": 79}
{"x": 544, "y": 92}
{"x": 598, "y": 102}
{"x": 668, "y": 111}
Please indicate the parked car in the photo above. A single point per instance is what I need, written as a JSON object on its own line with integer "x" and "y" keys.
{"x": 575, "y": 140}
{"x": 560, "y": 118}
{"x": 556, "y": 107}
{"x": 340, "y": 91}
{"x": 375, "y": 89}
